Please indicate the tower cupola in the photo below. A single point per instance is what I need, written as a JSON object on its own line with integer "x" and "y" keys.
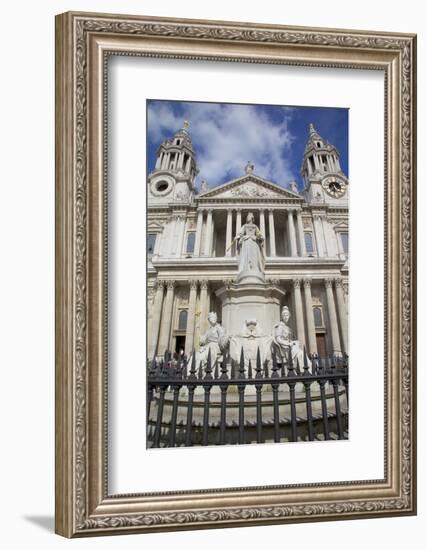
{"x": 324, "y": 181}
{"x": 175, "y": 169}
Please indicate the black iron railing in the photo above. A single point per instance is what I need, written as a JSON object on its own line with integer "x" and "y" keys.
{"x": 178, "y": 384}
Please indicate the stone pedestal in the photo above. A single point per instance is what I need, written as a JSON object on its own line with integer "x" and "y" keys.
{"x": 241, "y": 301}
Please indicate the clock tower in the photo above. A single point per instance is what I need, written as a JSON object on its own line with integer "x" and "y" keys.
{"x": 324, "y": 181}
{"x": 172, "y": 179}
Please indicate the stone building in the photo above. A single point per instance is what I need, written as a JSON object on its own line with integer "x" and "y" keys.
{"x": 191, "y": 253}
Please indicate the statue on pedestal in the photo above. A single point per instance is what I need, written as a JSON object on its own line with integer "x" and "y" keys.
{"x": 250, "y": 243}
{"x": 283, "y": 342}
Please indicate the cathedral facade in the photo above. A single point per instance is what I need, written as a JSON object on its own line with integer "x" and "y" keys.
{"x": 192, "y": 253}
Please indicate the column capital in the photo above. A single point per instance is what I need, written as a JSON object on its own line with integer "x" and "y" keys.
{"x": 193, "y": 284}
{"x": 338, "y": 282}
{"x": 307, "y": 282}
{"x": 204, "y": 284}
{"x": 270, "y": 209}
{"x": 209, "y": 210}
{"x": 159, "y": 284}
{"x": 170, "y": 284}
{"x": 296, "y": 283}
{"x": 328, "y": 282}
{"x": 238, "y": 210}
{"x": 290, "y": 211}
{"x": 229, "y": 209}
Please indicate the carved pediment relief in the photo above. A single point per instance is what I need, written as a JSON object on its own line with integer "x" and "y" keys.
{"x": 250, "y": 187}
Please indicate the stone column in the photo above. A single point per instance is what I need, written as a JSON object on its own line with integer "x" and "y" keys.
{"x": 203, "y": 306}
{"x": 312, "y": 344}
{"x": 299, "y": 314}
{"x": 238, "y": 220}
{"x": 191, "y": 318}
{"x": 272, "y": 232}
{"x": 319, "y": 236}
{"x": 301, "y": 240}
{"x": 159, "y": 161}
{"x": 181, "y": 233}
{"x": 188, "y": 166}
{"x": 208, "y": 235}
{"x": 229, "y": 231}
{"x": 155, "y": 318}
{"x": 199, "y": 229}
{"x": 336, "y": 346}
{"x": 166, "y": 323}
{"x": 166, "y": 161}
{"x": 181, "y": 160}
{"x": 342, "y": 313}
{"x": 262, "y": 224}
{"x": 291, "y": 231}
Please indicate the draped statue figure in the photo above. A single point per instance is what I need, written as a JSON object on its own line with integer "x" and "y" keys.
{"x": 214, "y": 340}
{"x": 250, "y": 243}
{"x": 283, "y": 342}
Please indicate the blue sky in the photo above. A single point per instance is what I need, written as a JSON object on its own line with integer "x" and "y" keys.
{"x": 225, "y": 136}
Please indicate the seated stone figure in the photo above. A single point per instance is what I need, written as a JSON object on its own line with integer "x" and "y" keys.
{"x": 214, "y": 340}
{"x": 283, "y": 342}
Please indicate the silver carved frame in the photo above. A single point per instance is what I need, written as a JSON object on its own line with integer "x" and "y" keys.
{"x": 83, "y": 43}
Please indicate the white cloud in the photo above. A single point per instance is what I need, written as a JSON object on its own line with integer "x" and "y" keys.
{"x": 226, "y": 136}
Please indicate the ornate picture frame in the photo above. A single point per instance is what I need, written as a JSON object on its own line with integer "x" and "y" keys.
{"x": 84, "y": 42}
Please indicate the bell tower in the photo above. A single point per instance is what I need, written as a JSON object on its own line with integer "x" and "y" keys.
{"x": 172, "y": 179}
{"x": 321, "y": 171}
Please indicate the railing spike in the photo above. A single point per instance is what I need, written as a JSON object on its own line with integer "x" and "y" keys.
{"x": 249, "y": 369}
{"x": 242, "y": 364}
{"x": 224, "y": 368}
{"x": 305, "y": 365}
{"x": 209, "y": 362}
{"x": 258, "y": 360}
{"x": 233, "y": 369}
{"x": 266, "y": 368}
{"x": 208, "y": 371}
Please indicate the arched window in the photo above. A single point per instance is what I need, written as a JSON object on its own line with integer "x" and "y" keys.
{"x": 182, "y": 321}
{"x": 318, "y": 318}
{"x": 191, "y": 239}
{"x": 308, "y": 238}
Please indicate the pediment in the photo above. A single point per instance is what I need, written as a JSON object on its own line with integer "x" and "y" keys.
{"x": 341, "y": 225}
{"x": 153, "y": 225}
{"x": 249, "y": 187}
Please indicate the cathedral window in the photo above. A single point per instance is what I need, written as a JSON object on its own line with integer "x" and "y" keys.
{"x": 191, "y": 239}
{"x": 318, "y": 317}
{"x": 308, "y": 238}
{"x": 151, "y": 243}
{"x": 344, "y": 241}
{"x": 182, "y": 320}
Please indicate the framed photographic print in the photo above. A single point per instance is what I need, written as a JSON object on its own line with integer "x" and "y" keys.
{"x": 235, "y": 220}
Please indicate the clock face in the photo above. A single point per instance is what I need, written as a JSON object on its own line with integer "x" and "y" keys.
{"x": 334, "y": 187}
